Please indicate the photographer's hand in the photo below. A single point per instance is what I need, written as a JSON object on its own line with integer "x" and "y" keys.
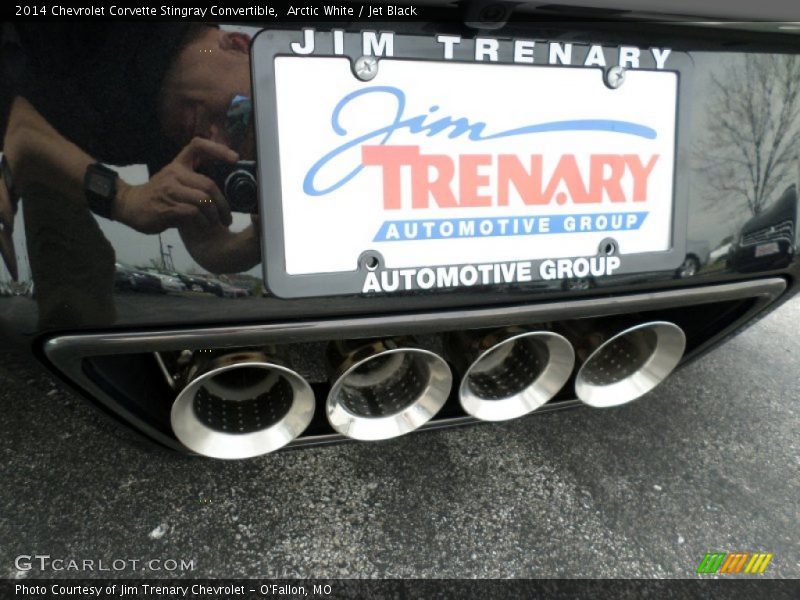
{"x": 42, "y": 159}
{"x": 177, "y": 194}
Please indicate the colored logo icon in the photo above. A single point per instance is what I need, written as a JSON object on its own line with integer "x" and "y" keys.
{"x": 734, "y": 562}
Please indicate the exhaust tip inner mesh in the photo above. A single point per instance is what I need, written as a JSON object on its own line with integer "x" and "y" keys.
{"x": 621, "y": 358}
{"x": 508, "y": 369}
{"x": 385, "y": 385}
{"x": 244, "y": 414}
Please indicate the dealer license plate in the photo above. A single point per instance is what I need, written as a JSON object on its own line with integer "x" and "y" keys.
{"x": 767, "y": 249}
{"x": 411, "y": 171}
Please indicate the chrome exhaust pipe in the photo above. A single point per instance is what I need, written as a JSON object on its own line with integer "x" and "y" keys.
{"x": 510, "y": 372}
{"x": 625, "y": 366}
{"x": 384, "y": 388}
{"x": 239, "y": 403}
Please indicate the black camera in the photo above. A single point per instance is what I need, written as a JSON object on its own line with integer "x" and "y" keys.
{"x": 238, "y": 184}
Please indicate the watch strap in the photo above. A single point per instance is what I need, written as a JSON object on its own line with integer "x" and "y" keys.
{"x": 100, "y": 188}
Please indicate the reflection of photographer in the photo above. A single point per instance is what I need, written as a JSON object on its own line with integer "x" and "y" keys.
{"x": 175, "y": 97}
{"x": 238, "y": 184}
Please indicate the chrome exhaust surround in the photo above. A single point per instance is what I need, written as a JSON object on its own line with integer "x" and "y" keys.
{"x": 511, "y": 372}
{"x": 630, "y": 364}
{"x": 384, "y": 388}
{"x": 240, "y": 404}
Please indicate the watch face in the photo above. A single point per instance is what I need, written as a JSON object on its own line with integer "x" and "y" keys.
{"x": 100, "y": 185}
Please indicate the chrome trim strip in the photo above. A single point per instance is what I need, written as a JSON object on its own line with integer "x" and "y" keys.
{"x": 66, "y": 353}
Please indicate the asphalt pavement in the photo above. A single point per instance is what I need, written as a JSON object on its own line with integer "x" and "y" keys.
{"x": 709, "y": 462}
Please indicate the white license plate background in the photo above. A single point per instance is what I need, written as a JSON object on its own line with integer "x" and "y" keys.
{"x": 327, "y": 233}
{"x": 767, "y": 249}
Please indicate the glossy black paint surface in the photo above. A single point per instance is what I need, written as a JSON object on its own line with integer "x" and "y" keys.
{"x": 722, "y": 205}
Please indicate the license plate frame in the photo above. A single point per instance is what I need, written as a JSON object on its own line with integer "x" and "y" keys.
{"x": 270, "y": 45}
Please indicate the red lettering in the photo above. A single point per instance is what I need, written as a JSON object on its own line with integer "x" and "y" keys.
{"x": 432, "y": 178}
{"x": 640, "y": 174}
{"x": 391, "y": 158}
{"x": 567, "y": 171}
{"x": 469, "y": 180}
{"x": 611, "y": 182}
{"x": 528, "y": 184}
{"x": 423, "y": 186}
{"x": 426, "y": 184}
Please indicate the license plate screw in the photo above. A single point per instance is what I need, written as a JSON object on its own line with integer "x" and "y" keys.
{"x": 608, "y": 247}
{"x": 615, "y": 77}
{"x": 365, "y": 67}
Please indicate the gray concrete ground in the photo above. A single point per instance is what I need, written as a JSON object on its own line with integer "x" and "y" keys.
{"x": 709, "y": 462}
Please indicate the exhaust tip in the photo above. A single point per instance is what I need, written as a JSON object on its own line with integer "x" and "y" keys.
{"x": 516, "y": 376}
{"x": 388, "y": 393}
{"x": 242, "y": 410}
{"x": 630, "y": 364}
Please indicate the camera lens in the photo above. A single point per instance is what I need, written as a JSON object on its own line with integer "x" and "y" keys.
{"x": 241, "y": 191}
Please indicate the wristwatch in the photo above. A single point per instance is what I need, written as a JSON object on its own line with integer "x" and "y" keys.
{"x": 100, "y": 187}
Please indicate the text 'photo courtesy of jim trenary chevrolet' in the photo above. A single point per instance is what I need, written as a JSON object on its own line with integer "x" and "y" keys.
{"x": 241, "y": 229}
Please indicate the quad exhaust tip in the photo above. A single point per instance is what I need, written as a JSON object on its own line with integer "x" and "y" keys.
{"x": 630, "y": 364}
{"x": 240, "y": 405}
{"x": 384, "y": 388}
{"x": 514, "y": 376}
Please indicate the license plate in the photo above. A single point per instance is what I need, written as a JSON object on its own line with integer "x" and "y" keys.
{"x": 767, "y": 249}
{"x": 413, "y": 171}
